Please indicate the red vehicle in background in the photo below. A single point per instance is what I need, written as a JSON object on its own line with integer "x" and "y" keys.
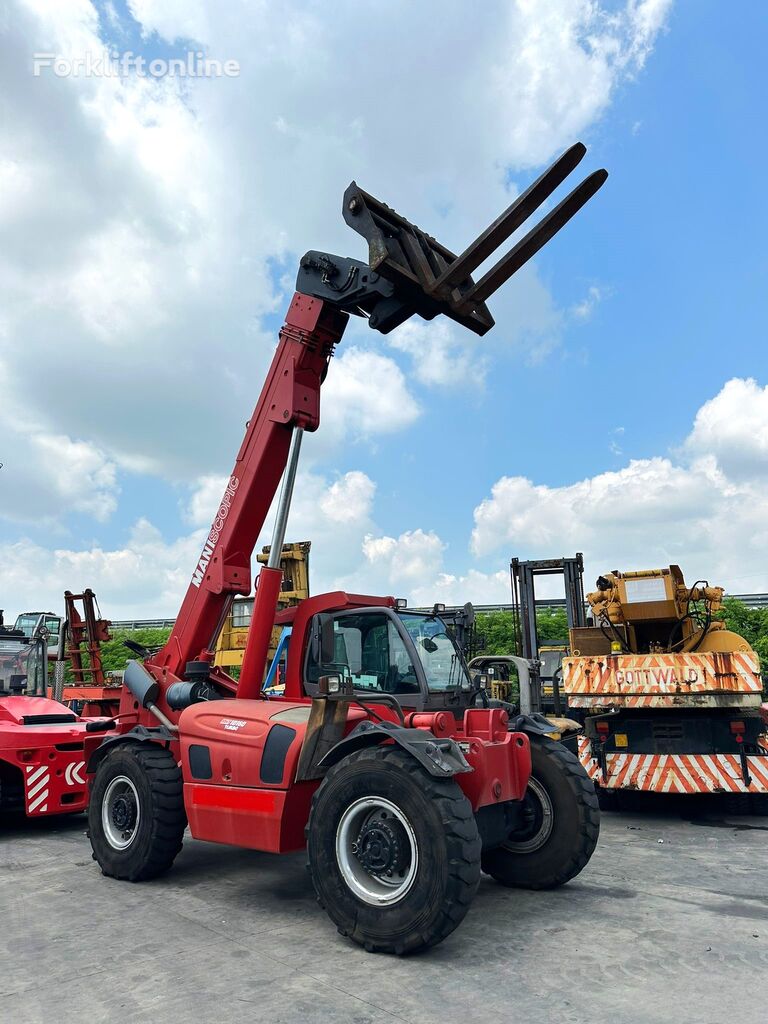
{"x": 43, "y": 745}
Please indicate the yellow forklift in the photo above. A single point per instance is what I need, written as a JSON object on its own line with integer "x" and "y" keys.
{"x": 294, "y": 563}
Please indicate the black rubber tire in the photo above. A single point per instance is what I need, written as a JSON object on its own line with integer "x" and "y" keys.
{"x": 158, "y": 838}
{"x": 448, "y": 845}
{"x": 575, "y": 824}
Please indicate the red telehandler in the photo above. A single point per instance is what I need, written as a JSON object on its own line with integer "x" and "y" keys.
{"x": 400, "y": 776}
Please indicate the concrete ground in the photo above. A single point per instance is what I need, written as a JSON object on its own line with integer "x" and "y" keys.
{"x": 668, "y": 923}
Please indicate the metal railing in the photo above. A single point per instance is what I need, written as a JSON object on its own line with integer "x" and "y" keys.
{"x": 129, "y": 625}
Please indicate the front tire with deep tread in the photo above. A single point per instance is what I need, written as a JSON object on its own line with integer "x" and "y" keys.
{"x": 574, "y": 828}
{"x": 447, "y": 842}
{"x": 153, "y": 776}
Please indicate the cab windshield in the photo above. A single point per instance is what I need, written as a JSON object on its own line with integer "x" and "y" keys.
{"x": 27, "y": 623}
{"x": 550, "y": 663}
{"x": 19, "y": 663}
{"x": 443, "y": 665}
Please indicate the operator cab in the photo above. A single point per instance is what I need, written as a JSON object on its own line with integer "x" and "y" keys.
{"x": 407, "y": 655}
{"x": 21, "y": 660}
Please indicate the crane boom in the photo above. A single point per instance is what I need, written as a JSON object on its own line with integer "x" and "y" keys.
{"x": 290, "y": 398}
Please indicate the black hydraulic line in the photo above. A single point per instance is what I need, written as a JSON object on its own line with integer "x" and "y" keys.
{"x": 616, "y": 634}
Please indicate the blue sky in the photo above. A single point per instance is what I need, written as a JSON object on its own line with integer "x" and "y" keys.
{"x": 183, "y": 211}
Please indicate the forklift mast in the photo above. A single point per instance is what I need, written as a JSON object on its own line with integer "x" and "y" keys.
{"x": 84, "y": 625}
{"x": 523, "y": 575}
{"x": 408, "y": 272}
{"x": 524, "y": 624}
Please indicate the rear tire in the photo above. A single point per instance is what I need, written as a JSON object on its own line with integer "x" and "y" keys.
{"x": 136, "y": 817}
{"x": 394, "y": 853}
{"x": 561, "y": 827}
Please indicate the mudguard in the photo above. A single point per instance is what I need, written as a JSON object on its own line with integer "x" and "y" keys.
{"x": 440, "y": 757}
{"x": 535, "y": 723}
{"x": 139, "y": 734}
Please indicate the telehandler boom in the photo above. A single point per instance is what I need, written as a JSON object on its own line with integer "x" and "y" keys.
{"x": 403, "y": 777}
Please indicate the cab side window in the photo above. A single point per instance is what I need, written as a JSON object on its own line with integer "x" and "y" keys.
{"x": 368, "y": 648}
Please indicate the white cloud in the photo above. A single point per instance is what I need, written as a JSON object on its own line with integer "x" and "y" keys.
{"x": 45, "y": 475}
{"x": 150, "y": 226}
{"x": 349, "y": 499}
{"x": 79, "y": 475}
{"x": 564, "y": 62}
{"x": 412, "y": 558}
{"x": 143, "y": 219}
{"x": 173, "y": 19}
{"x": 692, "y": 510}
{"x": 583, "y": 310}
{"x": 707, "y": 510}
{"x": 442, "y": 355}
{"x": 204, "y": 500}
{"x": 366, "y": 394}
{"x": 733, "y": 426}
{"x": 148, "y": 576}
{"x": 412, "y": 566}
{"x": 613, "y": 441}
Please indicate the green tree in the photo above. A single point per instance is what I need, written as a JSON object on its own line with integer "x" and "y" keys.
{"x": 494, "y": 631}
{"x": 751, "y": 623}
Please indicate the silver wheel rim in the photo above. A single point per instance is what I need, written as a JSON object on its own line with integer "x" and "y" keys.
{"x": 362, "y": 817}
{"x": 120, "y": 812}
{"x": 535, "y": 842}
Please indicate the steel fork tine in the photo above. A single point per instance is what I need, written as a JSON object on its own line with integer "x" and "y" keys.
{"x": 534, "y": 240}
{"x": 509, "y": 221}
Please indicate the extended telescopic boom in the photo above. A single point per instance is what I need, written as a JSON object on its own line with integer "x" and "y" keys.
{"x": 407, "y": 273}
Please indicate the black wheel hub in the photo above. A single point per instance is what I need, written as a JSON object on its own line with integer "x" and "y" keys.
{"x": 531, "y": 818}
{"x": 124, "y": 812}
{"x": 382, "y": 846}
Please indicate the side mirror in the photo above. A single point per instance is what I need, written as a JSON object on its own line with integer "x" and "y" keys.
{"x": 321, "y": 643}
{"x": 327, "y": 641}
{"x": 319, "y": 638}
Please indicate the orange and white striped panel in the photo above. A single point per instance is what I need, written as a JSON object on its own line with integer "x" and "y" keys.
{"x": 657, "y": 680}
{"x": 677, "y": 773}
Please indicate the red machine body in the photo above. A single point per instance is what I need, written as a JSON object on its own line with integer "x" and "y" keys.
{"x": 44, "y": 748}
{"x": 194, "y": 745}
{"x": 228, "y": 800}
{"x": 232, "y": 793}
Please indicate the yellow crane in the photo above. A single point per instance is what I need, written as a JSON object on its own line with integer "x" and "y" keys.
{"x": 671, "y": 697}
